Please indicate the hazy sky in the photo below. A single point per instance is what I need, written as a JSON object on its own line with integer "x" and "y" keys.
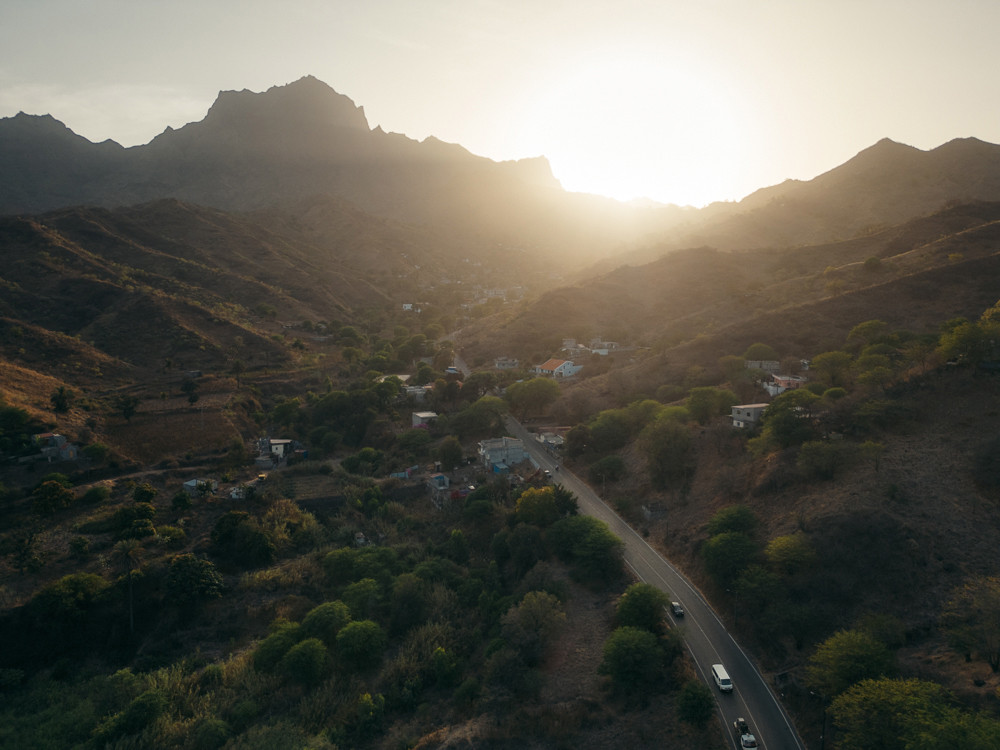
{"x": 684, "y": 102}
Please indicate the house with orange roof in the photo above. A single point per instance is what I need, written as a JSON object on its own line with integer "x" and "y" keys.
{"x": 557, "y": 368}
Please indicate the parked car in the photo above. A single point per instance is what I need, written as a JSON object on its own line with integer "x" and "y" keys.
{"x": 677, "y": 609}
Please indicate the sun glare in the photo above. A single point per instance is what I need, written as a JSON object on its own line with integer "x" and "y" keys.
{"x": 628, "y": 129}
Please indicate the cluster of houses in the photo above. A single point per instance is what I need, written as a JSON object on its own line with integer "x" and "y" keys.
{"x": 52, "y": 447}
{"x": 746, "y": 416}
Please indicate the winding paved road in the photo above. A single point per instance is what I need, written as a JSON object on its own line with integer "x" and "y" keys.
{"x": 706, "y": 637}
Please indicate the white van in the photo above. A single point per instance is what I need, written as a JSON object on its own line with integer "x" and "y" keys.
{"x": 721, "y": 677}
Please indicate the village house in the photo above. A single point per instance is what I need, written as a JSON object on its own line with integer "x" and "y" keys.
{"x": 197, "y": 487}
{"x": 767, "y": 365}
{"x": 747, "y": 415}
{"x": 603, "y": 348}
{"x": 781, "y": 383}
{"x": 423, "y": 418}
{"x": 557, "y": 368}
{"x": 499, "y": 454}
{"x": 55, "y": 447}
{"x": 506, "y": 363}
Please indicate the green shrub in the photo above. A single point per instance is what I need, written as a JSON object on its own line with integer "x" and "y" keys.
{"x": 96, "y": 495}
{"x": 305, "y": 662}
{"x": 271, "y": 650}
{"x": 210, "y": 734}
{"x": 360, "y": 644}
{"x": 325, "y": 621}
{"x": 172, "y": 536}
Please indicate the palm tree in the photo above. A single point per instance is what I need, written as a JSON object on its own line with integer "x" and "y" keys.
{"x": 128, "y": 559}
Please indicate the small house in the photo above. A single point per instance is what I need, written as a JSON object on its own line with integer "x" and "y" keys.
{"x": 781, "y": 383}
{"x": 557, "y": 368}
{"x": 506, "y": 363}
{"x": 747, "y": 415}
{"x": 423, "y": 418}
{"x": 504, "y": 451}
{"x": 198, "y": 487}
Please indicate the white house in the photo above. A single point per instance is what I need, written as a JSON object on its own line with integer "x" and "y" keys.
{"x": 423, "y": 418}
{"x": 500, "y": 453}
{"x": 747, "y": 415}
{"x": 557, "y": 368}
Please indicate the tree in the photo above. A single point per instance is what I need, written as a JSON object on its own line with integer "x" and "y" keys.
{"x": 144, "y": 493}
{"x": 191, "y": 580}
{"x": 790, "y": 553}
{"x": 727, "y": 554}
{"x": 450, "y": 453}
{"x": 733, "y": 518}
{"x": 66, "y": 602}
{"x": 61, "y": 398}
{"x": 363, "y": 598}
{"x": 305, "y": 662}
{"x": 708, "y": 401}
{"x": 578, "y": 440}
{"x": 482, "y": 418}
{"x": 239, "y": 539}
{"x": 127, "y": 405}
{"x": 610, "y": 430}
{"x": 96, "y": 452}
{"x": 360, "y": 644}
{"x": 786, "y": 421}
{"x": 832, "y": 367}
{"x": 127, "y": 555}
{"x": 532, "y": 396}
{"x": 695, "y": 704}
{"x": 972, "y": 619}
{"x": 532, "y": 624}
{"x": 589, "y": 545}
{"x": 325, "y": 621}
{"x": 478, "y": 384}
{"x": 51, "y": 496}
{"x": 669, "y": 451}
{"x": 847, "y": 657}
{"x": 237, "y": 367}
{"x": 887, "y": 714}
{"x": 969, "y": 343}
{"x": 820, "y": 459}
{"x": 633, "y": 659}
{"x": 537, "y": 506}
{"x": 408, "y": 603}
{"x": 270, "y": 651}
{"x": 641, "y": 606}
{"x": 287, "y": 412}
{"x": 607, "y": 469}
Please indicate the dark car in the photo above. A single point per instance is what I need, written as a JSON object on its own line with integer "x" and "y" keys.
{"x": 677, "y": 609}
{"x": 742, "y": 730}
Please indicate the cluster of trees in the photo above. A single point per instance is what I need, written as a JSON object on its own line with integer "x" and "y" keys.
{"x": 461, "y": 615}
{"x": 872, "y": 707}
{"x": 663, "y": 433}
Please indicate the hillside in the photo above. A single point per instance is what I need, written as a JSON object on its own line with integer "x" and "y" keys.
{"x": 694, "y": 306}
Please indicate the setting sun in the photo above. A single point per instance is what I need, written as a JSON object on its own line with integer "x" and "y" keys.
{"x": 629, "y": 128}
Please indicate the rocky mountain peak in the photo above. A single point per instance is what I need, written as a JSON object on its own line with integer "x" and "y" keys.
{"x": 305, "y": 102}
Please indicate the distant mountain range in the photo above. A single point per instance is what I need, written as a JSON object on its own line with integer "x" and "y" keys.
{"x": 293, "y": 143}
{"x": 296, "y": 142}
{"x": 288, "y": 199}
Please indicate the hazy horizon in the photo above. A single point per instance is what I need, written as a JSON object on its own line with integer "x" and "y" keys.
{"x": 677, "y": 103}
